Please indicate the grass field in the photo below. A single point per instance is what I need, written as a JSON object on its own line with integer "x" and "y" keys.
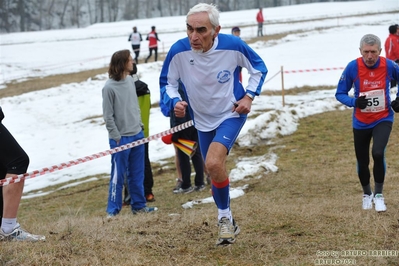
{"x": 307, "y": 210}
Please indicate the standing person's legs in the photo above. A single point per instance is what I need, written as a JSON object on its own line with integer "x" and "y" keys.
{"x": 135, "y": 177}
{"x": 185, "y": 168}
{"x": 198, "y": 164}
{"x": 118, "y": 171}
{"x": 179, "y": 180}
{"x": 148, "y": 176}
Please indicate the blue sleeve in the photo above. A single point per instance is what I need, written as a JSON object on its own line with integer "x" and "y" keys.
{"x": 345, "y": 84}
{"x": 393, "y": 70}
{"x": 166, "y": 103}
{"x": 258, "y": 64}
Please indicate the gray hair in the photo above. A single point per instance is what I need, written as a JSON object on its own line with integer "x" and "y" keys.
{"x": 211, "y": 9}
{"x": 370, "y": 39}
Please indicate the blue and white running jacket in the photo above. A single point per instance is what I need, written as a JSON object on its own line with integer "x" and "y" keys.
{"x": 210, "y": 80}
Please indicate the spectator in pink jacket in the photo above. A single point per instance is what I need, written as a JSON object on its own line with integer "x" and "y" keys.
{"x": 260, "y": 20}
{"x": 392, "y": 46}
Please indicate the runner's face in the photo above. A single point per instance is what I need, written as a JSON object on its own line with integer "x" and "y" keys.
{"x": 200, "y": 32}
{"x": 370, "y": 54}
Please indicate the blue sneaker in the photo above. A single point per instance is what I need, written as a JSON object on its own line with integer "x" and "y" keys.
{"x": 145, "y": 210}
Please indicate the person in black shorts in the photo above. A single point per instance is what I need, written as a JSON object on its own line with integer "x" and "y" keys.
{"x": 13, "y": 161}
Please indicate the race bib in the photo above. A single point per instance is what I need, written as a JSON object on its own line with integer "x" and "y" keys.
{"x": 376, "y": 101}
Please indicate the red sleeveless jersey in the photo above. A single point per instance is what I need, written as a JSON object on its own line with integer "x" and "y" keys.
{"x": 372, "y": 84}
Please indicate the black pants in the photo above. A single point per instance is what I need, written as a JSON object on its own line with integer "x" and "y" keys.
{"x": 185, "y": 168}
{"x": 260, "y": 29}
{"x": 148, "y": 176}
{"x": 136, "y": 51}
{"x": 13, "y": 159}
{"x": 362, "y": 139}
{"x": 155, "y": 53}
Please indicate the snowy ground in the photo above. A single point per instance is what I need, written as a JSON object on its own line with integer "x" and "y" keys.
{"x": 61, "y": 124}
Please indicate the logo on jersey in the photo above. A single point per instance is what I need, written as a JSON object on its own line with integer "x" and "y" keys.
{"x": 371, "y": 84}
{"x": 223, "y": 76}
{"x": 191, "y": 61}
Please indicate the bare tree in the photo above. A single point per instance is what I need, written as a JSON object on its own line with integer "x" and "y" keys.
{"x": 128, "y": 10}
{"x": 113, "y": 9}
{"x": 101, "y": 5}
{"x": 89, "y": 11}
{"x": 24, "y": 15}
{"x": 76, "y": 7}
{"x": 21, "y": 13}
{"x": 5, "y": 6}
{"x": 62, "y": 14}
{"x": 159, "y": 6}
{"x": 136, "y": 9}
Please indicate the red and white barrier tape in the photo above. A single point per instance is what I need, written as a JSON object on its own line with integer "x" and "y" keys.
{"x": 313, "y": 70}
{"x": 16, "y": 179}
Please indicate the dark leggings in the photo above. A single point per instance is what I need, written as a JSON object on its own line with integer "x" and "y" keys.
{"x": 362, "y": 139}
{"x": 185, "y": 168}
{"x": 148, "y": 176}
{"x": 155, "y": 52}
{"x": 13, "y": 159}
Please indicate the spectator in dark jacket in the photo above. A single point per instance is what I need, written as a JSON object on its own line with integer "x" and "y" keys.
{"x": 184, "y": 160}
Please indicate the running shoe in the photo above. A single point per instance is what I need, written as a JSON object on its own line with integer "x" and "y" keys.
{"x": 227, "y": 231}
{"x": 367, "y": 201}
{"x": 145, "y": 210}
{"x": 183, "y": 190}
{"x": 199, "y": 188}
{"x": 19, "y": 234}
{"x": 179, "y": 182}
{"x": 379, "y": 203}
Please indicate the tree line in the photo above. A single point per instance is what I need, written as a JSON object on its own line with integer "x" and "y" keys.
{"x": 37, "y": 15}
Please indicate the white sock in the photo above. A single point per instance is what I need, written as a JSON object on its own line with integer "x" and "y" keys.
{"x": 8, "y": 224}
{"x": 225, "y": 213}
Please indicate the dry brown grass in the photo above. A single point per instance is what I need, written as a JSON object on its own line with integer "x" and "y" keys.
{"x": 313, "y": 203}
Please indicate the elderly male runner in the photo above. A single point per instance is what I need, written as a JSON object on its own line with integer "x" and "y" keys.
{"x": 207, "y": 63}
